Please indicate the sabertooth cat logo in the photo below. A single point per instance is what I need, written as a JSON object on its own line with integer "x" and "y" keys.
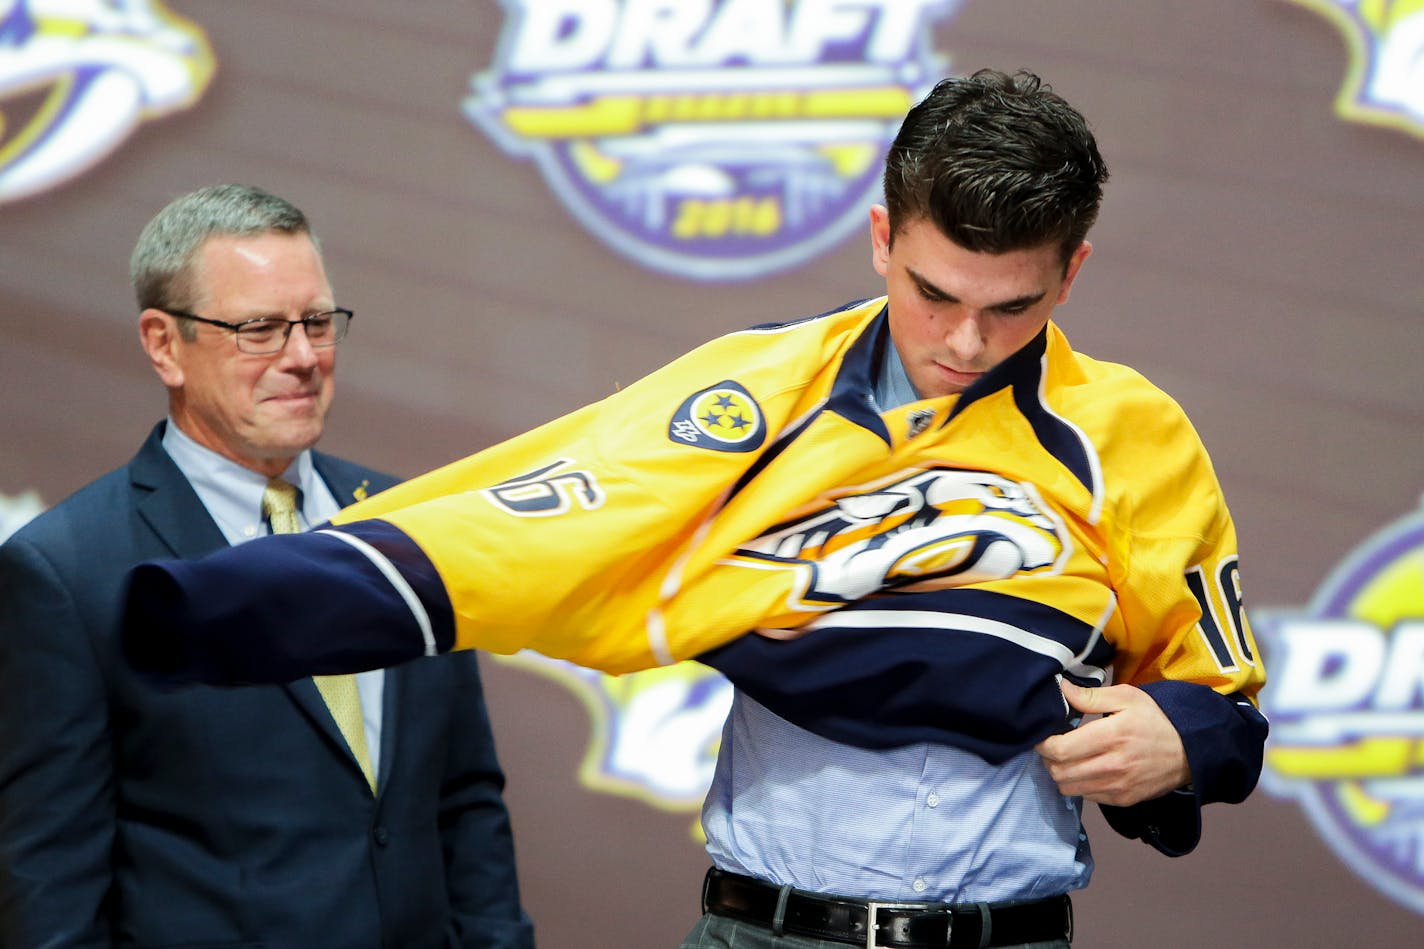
{"x": 712, "y": 139}
{"x": 943, "y": 526}
{"x": 78, "y": 76}
{"x": 1385, "y": 85}
{"x": 1346, "y": 703}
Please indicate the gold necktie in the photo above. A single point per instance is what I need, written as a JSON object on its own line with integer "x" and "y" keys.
{"x": 279, "y": 503}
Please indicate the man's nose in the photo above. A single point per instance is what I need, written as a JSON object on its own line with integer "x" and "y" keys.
{"x": 965, "y": 339}
{"x": 299, "y": 351}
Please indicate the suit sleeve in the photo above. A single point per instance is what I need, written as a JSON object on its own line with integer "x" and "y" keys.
{"x": 475, "y": 831}
{"x": 56, "y": 791}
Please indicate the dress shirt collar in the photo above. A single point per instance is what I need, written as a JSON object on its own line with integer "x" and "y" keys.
{"x": 233, "y": 494}
{"x": 891, "y": 387}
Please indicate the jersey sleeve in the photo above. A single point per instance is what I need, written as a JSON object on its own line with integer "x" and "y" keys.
{"x": 1185, "y": 636}
{"x": 550, "y": 541}
{"x": 559, "y": 540}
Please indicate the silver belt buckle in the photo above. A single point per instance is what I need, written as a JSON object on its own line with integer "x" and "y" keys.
{"x": 872, "y": 909}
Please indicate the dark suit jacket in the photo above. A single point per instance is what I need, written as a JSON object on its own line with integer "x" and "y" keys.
{"x": 210, "y": 817}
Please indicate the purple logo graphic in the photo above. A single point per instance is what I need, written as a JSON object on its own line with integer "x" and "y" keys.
{"x": 1346, "y": 703}
{"x": 1385, "y": 82}
{"x": 717, "y": 140}
{"x": 78, "y": 76}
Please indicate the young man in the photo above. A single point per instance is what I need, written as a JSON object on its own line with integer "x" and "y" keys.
{"x": 946, "y": 529}
{"x": 338, "y": 813}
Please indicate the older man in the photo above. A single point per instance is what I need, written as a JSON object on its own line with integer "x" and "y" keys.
{"x": 351, "y": 811}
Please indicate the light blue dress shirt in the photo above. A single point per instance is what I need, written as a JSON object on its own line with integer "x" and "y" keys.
{"x": 921, "y": 823}
{"x": 233, "y": 496}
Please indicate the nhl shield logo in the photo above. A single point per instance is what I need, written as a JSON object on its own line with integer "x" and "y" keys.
{"x": 717, "y": 140}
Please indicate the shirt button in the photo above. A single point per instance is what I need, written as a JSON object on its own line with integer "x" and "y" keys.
{"x": 932, "y": 800}
{"x": 382, "y": 836}
{"x": 249, "y": 531}
{"x": 920, "y": 885}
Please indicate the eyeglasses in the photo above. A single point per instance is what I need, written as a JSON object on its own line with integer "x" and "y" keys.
{"x": 269, "y": 335}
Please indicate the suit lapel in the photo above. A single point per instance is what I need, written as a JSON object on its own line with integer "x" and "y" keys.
{"x": 171, "y": 508}
{"x": 347, "y": 485}
{"x": 395, "y": 681}
{"x": 307, "y": 698}
{"x": 168, "y": 504}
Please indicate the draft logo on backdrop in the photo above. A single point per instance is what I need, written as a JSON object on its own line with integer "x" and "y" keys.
{"x": 78, "y": 76}
{"x": 711, "y": 139}
{"x": 1384, "y": 84}
{"x": 654, "y": 734}
{"x": 1346, "y": 703}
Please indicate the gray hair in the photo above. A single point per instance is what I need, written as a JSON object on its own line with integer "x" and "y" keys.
{"x": 161, "y": 266}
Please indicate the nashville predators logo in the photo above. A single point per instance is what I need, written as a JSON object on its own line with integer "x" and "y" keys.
{"x": 1346, "y": 702}
{"x": 78, "y": 76}
{"x": 944, "y": 527}
{"x": 722, "y": 418}
{"x": 1385, "y": 83}
{"x": 712, "y": 139}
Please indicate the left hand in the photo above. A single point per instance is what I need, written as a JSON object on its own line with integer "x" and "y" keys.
{"x": 1132, "y": 754}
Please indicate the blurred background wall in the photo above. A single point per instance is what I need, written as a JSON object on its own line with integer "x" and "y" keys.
{"x": 513, "y": 252}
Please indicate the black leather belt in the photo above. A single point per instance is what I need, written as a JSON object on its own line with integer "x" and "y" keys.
{"x": 870, "y": 924}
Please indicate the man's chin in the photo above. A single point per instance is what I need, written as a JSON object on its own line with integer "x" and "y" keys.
{"x": 290, "y": 440}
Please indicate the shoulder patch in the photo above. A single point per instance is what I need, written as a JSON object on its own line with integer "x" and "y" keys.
{"x": 723, "y": 417}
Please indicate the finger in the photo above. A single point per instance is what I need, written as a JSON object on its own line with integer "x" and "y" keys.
{"x": 1051, "y": 748}
{"x": 1081, "y": 699}
{"x": 1102, "y": 700}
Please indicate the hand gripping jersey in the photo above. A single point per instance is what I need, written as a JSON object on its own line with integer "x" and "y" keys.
{"x": 947, "y": 558}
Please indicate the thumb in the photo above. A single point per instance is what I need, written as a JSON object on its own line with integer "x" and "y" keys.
{"x": 1088, "y": 701}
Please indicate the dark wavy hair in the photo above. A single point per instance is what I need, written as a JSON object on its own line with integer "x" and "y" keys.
{"x": 998, "y": 162}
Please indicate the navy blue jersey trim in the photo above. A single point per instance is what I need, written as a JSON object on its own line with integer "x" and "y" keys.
{"x": 282, "y": 607}
{"x": 773, "y": 451}
{"x": 851, "y": 394}
{"x": 1057, "y": 436}
{"x": 1224, "y": 737}
{"x": 1023, "y": 368}
{"x": 1030, "y": 615}
{"x": 416, "y": 569}
{"x": 1023, "y": 373}
{"x": 889, "y": 686}
{"x": 810, "y": 319}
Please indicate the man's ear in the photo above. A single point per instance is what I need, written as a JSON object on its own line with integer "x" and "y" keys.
{"x": 880, "y": 239}
{"x": 1075, "y": 264}
{"x": 159, "y": 336}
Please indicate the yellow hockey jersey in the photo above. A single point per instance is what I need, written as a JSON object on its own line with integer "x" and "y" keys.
{"x": 750, "y": 484}
{"x": 944, "y": 560}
